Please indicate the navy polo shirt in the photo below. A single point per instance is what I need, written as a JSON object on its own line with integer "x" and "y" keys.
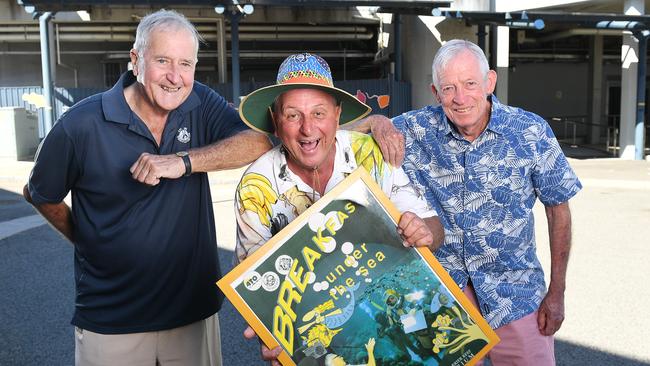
{"x": 145, "y": 257}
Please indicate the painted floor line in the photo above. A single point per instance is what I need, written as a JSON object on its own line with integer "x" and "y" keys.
{"x": 15, "y": 226}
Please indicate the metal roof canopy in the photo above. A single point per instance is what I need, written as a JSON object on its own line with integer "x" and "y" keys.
{"x": 638, "y": 25}
{"x": 394, "y": 6}
{"x": 44, "y": 9}
{"x": 582, "y": 20}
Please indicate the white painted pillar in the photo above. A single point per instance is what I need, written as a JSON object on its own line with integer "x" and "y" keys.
{"x": 629, "y": 59}
{"x": 503, "y": 61}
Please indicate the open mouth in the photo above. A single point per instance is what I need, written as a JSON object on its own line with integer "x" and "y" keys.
{"x": 309, "y": 145}
{"x": 463, "y": 110}
{"x": 170, "y": 90}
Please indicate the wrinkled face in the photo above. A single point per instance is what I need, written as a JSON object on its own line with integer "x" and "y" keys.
{"x": 166, "y": 72}
{"x": 306, "y": 121}
{"x": 463, "y": 93}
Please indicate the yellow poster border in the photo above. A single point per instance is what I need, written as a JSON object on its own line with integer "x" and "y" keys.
{"x": 226, "y": 283}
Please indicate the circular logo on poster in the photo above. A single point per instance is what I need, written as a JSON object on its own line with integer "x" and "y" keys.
{"x": 283, "y": 264}
{"x": 270, "y": 281}
{"x": 252, "y": 281}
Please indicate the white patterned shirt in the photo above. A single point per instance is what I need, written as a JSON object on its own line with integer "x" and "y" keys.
{"x": 270, "y": 196}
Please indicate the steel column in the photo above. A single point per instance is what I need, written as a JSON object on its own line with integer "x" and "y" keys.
{"x": 46, "y": 70}
{"x": 639, "y": 130}
{"x": 234, "y": 54}
{"x": 398, "y": 47}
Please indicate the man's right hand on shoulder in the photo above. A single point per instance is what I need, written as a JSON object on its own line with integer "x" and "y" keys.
{"x": 266, "y": 353}
{"x": 389, "y": 139}
{"x": 150, "y": 168}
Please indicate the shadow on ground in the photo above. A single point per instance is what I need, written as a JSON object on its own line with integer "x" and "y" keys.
{"x": 36, "y": 283}
{"x": 584, "y": 152}
{"x": 570, "y": 354}
{"x": 13, "y": 206}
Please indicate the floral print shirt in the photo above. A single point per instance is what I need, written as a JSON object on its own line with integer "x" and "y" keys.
{"x": 485, "y": 191}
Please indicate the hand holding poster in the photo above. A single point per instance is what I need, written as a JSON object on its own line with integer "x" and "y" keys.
{"x": 336, "y": 286}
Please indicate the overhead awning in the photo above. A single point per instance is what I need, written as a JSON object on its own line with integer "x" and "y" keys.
{"x": 392, "y": 6}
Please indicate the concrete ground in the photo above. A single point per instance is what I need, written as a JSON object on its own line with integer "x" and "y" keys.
{"x": 607, "y": 299}
{"x": 608, "y": 283}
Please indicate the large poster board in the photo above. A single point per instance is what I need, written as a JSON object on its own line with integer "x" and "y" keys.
{"x": 338, "y": 285}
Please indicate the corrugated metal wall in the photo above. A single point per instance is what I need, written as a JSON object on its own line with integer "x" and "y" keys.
{"x": 398, "y": 91}
{"x": 376, "y": 93}
{"x": 64, "y": 99}
{"x": 13, "y": 97}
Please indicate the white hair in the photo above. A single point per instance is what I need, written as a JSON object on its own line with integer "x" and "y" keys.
{"x": 165, "y": 19}
{"x": 452, "y": 49}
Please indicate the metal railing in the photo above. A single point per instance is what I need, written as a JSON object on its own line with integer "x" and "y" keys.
{"x": 576, "y": 131}
{"x": 613, "y": 123}
{"x": 570, "y": 127}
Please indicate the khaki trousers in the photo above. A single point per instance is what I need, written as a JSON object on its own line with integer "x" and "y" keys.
{"x": 194, "y": 344}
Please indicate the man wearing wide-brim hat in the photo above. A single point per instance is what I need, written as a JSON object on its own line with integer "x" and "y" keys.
{"x": 304, "y": 109}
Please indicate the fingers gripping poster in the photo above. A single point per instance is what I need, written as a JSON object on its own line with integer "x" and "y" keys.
{"x": 337, "y": 287}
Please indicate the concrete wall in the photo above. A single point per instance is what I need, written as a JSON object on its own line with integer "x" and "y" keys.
{"x": 550, "y": 89}
{"x": 561, "y": 90}
{"x": 429, "y": 32}
{"x": 25, "y": 70}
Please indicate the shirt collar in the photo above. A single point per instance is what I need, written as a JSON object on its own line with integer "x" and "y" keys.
{"x": 344, "y": 164}
{"x": 496, "y": 123}
{"x": 116, "y": 109}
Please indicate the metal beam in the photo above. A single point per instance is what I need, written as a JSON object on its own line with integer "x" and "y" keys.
{"x": 549, "y": 17}
{"x": 528, "y": 19}
{"x": 69, "y": 5}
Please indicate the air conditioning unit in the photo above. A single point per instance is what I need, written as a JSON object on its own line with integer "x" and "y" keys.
{"x": 18, "y": 133}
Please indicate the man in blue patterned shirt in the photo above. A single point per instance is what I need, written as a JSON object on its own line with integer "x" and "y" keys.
{"x": 483, "y": 164}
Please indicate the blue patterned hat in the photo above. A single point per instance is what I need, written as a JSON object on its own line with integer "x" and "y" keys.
{"x": 303, "y": 70}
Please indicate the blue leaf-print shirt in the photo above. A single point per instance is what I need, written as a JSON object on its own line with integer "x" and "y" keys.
{"x": 484, "y": 192}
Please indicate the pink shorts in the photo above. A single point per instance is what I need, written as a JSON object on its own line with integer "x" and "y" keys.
{"x": 521, "y": 342}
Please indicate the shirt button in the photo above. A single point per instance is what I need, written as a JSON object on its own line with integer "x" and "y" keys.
{"x": 470, "y": 176}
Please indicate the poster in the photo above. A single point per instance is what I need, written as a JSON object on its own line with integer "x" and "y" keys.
{"x": 336, "y": 286}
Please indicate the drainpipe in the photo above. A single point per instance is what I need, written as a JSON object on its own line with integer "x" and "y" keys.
{"x": 48, "y": 86}
{"x": 639, "y": 132}
{"x": 234, "y": 54}
{"x": 481, "y": 33}
{"x": 398, "y": 47}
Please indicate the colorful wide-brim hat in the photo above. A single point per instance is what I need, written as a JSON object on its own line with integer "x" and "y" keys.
{"x": 303, "y": 70}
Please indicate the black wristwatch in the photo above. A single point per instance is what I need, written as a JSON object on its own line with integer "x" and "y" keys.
{"x": 186, "y": 160}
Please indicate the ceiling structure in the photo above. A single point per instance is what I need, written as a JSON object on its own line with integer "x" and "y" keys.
{"x": 349, "y": 43}
{"x": 389, "y": 6}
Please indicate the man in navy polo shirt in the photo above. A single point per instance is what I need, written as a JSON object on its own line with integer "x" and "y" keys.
{"x": 141, "y": 221}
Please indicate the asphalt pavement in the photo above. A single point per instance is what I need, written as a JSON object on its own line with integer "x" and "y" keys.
{"x": 607, "y": 299}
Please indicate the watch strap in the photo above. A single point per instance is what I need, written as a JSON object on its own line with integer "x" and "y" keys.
{"x": 188, "y": 165}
